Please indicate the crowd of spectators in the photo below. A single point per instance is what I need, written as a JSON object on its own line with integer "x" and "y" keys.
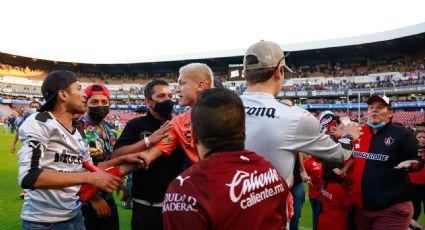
{"x": 23, "y": 69}
{"x": 355, "y": 68}
{"x": 380, "y": 82}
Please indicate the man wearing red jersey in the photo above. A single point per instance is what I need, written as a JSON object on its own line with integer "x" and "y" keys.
{"x": 418, "y": 178}
{"x": 229, "y": 188}
{"x": 313, "y": 167}
{"x": 336, "y": 202}
{"x": 193, "y": 79}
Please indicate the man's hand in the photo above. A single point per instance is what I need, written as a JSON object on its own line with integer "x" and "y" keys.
{"x": 353, "y": 129}
{"x": 339, "y": 172}
{"x": 304, "y": 176}
{"x": 140, "y": 160}
{"x": 407, "y": 165}
{"x": 100, "y": 206}
{"x": 13, "y": 148}
{"x": 104, "y": 181}
{"x": 160, "y": 133}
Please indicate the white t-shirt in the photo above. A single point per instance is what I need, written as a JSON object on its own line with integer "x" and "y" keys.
{"x": 47, "y": 145}
{"x": 277, "y": 132}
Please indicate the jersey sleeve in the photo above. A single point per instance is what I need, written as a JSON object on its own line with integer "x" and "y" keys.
{"x": 309, "y": 139}
{"x": 343, "y": 199}
{"x": 183, "y": 206}
{"x": 170, "y": 142}
{"x": 33, "y": 135}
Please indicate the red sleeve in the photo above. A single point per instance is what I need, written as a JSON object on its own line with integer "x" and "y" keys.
{"x": 182, "y": 207}
{"x": 307, "y": 166}
{"x": 343, "y": 199}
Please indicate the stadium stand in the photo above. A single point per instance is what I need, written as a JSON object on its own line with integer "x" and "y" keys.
{"x": 325, "y": 78}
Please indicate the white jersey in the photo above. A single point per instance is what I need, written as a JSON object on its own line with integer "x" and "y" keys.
{"x": 47, "y": 145}
{"x": 277, "y": 132}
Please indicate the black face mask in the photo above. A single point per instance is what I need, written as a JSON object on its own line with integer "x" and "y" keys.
{"x": 164, "y": 108}
{"x": 98, "y": 113}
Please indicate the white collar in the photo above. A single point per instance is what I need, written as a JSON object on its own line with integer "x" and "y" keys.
{"x": 259, "y": 94}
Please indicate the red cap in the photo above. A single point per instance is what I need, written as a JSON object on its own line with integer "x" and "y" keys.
{"x": 89, "y": 91}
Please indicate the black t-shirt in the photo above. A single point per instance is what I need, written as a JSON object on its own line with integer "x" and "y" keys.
{"x": 150, "y": 184}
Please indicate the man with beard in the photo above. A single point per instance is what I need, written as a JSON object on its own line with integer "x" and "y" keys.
{"x": 51, "y": 158}
{"x": 100, "y": 212}
{"x": 149, "y": 186}
{"x": 34, "y": 107}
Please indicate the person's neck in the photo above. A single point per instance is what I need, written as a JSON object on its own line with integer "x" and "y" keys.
{"x": 65, "y": 118}
{"x": 202, "y": 151}
{"x": 156, "y": 115}
{"x": 264, "y": 87}
{"x": 374, "y": 131}
{"x": 93, "y": 122}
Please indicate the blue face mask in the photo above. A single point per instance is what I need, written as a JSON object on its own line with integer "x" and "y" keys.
{"x": 382, "y": 124}
{"x": 32, "y": 110}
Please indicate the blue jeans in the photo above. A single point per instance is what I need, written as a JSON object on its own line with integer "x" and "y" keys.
{"x": 316, "y": 206}
{"x": 76, "y": 223}
{"x": 129, "y": 186}
{"x": 298, "y": 193}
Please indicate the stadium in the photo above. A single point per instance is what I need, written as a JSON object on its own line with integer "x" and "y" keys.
{"x": 331, "y": 74}
{"x": 338, "y": 75}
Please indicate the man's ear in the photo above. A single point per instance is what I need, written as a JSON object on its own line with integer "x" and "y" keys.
{"x": 390, "y": 113}
{"x": 62, "y": 95}
{"x": 146, "y": 100}
{"x": 278, "y": 76}
{"x": 201, "y": 86}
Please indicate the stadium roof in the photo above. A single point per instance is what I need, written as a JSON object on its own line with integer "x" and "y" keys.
{"x": 110, "y": 32}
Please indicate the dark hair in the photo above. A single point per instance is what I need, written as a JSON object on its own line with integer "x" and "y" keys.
{"x": 52, "y": 103}
{"x": 329, "y": 175}
{"x": 256, "y": 75}
{"x": 149, "y": 87}
{"x": 35, "y": 102}
{"x": 218, "y": 118}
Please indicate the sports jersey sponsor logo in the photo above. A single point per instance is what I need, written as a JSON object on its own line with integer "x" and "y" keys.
{"x": 68, "y": 157}
{"x": 388, "y": 141}
{"x": 187, "y": 124}
{"x": 326, "y": 193}
{"x": 260, "y": 112}
{"x": 177, "y": 202}
{"x": 252, "y": 188}
{"x": 187, "y": 134}
{"x": 167, "y": 138}
{"x": 371, "y": 156}
{"x": 181, "y": 179}
{"x": 421, "y": 152}
{"x": 145, "y": 134}
{"x": 84, "y": 146}
{"x": 244, "y": 158}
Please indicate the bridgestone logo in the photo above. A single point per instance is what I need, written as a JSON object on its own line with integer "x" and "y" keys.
{"x": 260, "y": 111}
{"x": 371, "y": 156}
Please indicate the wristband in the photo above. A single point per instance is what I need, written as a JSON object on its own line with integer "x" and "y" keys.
{"x": 147, "y": 142}
{"x": 346, "y": 139}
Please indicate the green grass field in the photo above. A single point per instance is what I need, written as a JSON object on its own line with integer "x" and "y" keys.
{"x": 10, "y": 203}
